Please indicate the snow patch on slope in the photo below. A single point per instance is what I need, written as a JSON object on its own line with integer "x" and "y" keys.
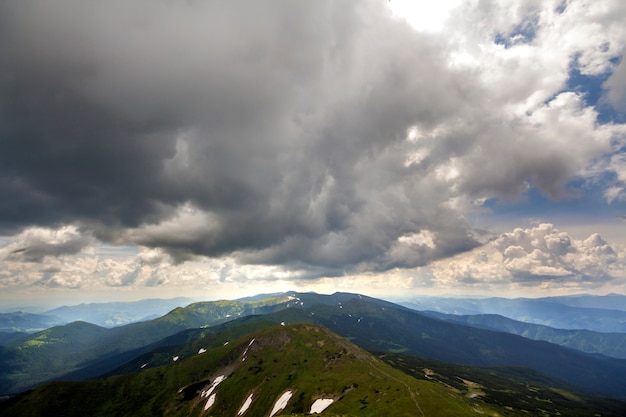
{"x": 245, "y": 352}
{"x": 212, "y": 387}
{"x": 210, "y": 402}
{"x": 281, "y": 403}
{"x": 320, "y": 405}
{"x": 245, "y": 405}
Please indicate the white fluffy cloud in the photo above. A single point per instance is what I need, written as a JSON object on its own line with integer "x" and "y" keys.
{"x": 541, "y": 256}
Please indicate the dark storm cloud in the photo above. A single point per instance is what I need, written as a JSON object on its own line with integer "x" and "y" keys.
{"x": 35, "y": 244}
{"x": 274, "y": 132}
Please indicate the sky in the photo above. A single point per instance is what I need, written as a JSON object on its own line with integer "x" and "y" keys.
{"x": 160, "y": 148}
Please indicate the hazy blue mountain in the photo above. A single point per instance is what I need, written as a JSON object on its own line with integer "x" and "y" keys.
{"x": 6, "y": 337}
{"x": 555, "y": 312}
{"x": 20, "y": 321}
{"x": 118, "y": 313}
{"x": 102, "y": 314}
{"x": 610, "y": 344}
{"x": 610, "y": 301}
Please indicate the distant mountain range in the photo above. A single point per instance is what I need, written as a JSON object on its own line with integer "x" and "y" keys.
{"x": 103, "y": 314}
{"x": 582, "y": 312}
{"x": 597, "y": 313}
{"x": 20, "y": 321}
{"x": 609, "y": 344}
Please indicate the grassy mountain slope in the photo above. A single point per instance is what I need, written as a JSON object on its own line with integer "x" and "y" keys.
{"x": 610, "y": 344}
{"x": 182, "y": 345}
{"x": 58, "y": 351}
{"x": 380, "y": 328}
{"x": 308, "y": 361}
{"x": 47, "y": 354}
{"x": 517, "y": 390}
{"x": 383, "y": 329}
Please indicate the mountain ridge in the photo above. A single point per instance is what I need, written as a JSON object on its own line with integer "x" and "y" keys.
{"x": 609, "y": 344}
{"x": 375, "y": 325}
{"x": 301, "y": 364}
{"x": 36, "y": 358}
{"x": 554, "y": 312}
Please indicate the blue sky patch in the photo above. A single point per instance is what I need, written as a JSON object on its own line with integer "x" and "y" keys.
{"x": 560, "y": 9}
{"x": 591, "y": 203}
{"x": 590, "y": 86}
{"x": 523, "y": 33}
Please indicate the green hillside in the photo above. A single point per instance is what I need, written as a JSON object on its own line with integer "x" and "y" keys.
{"x": 515, "y": 390}
{"x": 48, "y": 354}
{"x": 385, "y": 329}
{"x": 389, "y": 330}
{"x": 59, "y": 351}
{"x": 308, "y": 362}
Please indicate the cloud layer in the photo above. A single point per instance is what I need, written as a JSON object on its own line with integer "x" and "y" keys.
{"x": 521, "y": 262}
{"x": 329, "y": 136}
{"x": 541, "y": 257}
